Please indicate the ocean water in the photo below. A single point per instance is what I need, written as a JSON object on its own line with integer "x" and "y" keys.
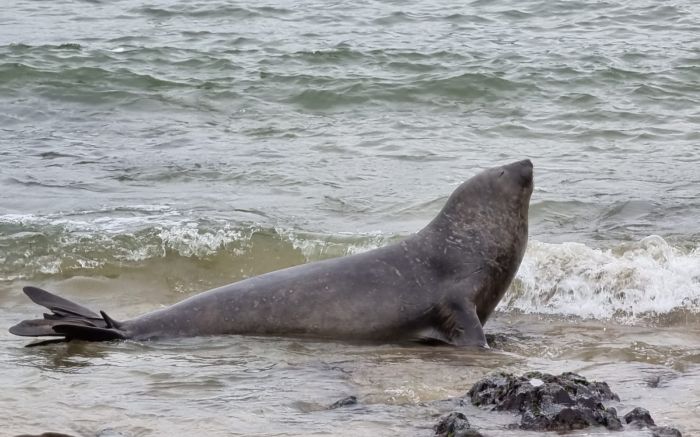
{"x": 150, "y": 150}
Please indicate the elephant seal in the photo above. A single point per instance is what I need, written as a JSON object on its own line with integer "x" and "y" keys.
{"x": 439, "y": 285}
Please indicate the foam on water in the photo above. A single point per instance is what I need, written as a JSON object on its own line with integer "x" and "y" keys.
{"x": 317, "y": 246}
{"x": 189, "y": 240}
{"x": 631, "y": 281}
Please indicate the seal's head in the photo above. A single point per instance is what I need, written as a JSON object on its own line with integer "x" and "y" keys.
{"x": 484, "y": 225}
{"x": 497, "y": 198}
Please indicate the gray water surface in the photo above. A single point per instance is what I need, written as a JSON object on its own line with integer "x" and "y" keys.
{"x": 152, "y": 150}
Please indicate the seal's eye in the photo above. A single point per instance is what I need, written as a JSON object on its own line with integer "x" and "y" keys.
{"x": 502, "y": 171}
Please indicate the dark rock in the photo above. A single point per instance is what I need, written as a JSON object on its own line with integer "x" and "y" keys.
{"x": 664, "y": 431}
{"x": 455, "y": 425}
{"x": 350, "y": 400}
{"x": 610, "y": 419}
{"x": 639, "y": 417}
{"x": 548, "y": 402}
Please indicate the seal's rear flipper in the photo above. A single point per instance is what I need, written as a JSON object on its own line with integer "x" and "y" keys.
{"x": 68, "y": 320}
{"x": 88, "y": 333}
{"x": 58, "y": 304}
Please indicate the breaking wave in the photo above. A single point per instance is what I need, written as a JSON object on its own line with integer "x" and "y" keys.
{"x": 649, "y": 279}
{"x": 645, "y": 280}
{"x": 33, "y": 247}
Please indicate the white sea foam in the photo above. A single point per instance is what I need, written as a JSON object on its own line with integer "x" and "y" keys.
{"x": 189, "y": 239}
{"x": 315, "y": 246}
{"x": 626, "y": 282}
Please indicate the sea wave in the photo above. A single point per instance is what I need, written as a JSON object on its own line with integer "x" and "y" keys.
{"x": 642, "y": 280}
{"x": 35, "y": 247}
{"x": 341, "y": 75}
{"x": 649, "y": 279}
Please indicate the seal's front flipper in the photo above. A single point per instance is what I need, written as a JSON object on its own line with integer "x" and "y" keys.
{"x": 68, "y": 320}
{"x": 460, "y": 325}
{"x": 472, "y": 331}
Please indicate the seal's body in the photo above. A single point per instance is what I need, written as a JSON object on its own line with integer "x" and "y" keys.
{"x": 440, "y": 284}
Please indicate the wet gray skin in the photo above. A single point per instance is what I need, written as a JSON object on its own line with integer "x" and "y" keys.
{"x": 440, "y": 284}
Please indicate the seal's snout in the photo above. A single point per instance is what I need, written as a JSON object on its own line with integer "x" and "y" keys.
{"x": 525, "y": 163}
{"x": 522, "y": 170}
{"x": 526, "y": 171}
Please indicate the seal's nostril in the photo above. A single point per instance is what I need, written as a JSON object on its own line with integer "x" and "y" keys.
{"x": 526, "y": 171}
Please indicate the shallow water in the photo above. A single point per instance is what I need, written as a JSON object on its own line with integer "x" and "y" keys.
{"x": 152, "y": 150}
{"x": 273, "y": 386}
